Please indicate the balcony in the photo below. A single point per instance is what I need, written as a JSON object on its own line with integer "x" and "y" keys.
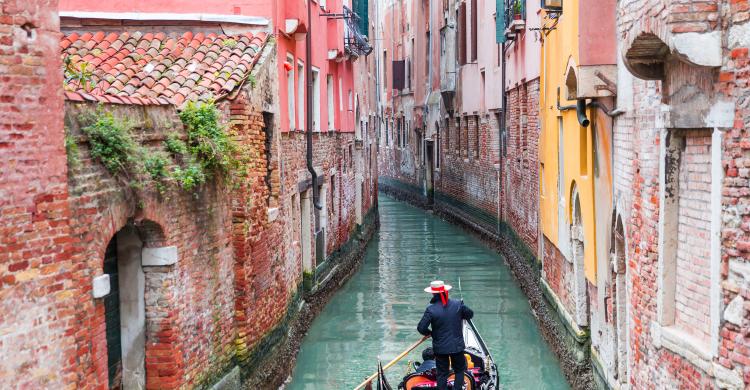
{"x": 355, "y": 40}
{"x": 515, "y": 18}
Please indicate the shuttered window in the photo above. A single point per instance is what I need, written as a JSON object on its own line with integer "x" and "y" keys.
{"x": 474, "y": 30}
{"x": 499, "y": 21}
{"x": 462, "y": 34}
{"x": 399, "y": 74}
{"x": 361, "y": 9}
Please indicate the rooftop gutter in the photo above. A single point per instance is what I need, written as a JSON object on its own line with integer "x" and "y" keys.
{"x": 147, "y": 16}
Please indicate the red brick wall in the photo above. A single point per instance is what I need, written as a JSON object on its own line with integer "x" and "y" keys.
{"x": 268, "y": 253}
{"x": 189, "y": 306}
{"x": 558, "y": 273}
{"x": 467, "y": 175}
{"x": 37, "y": 259}
{"x": 734, "y": 83}
{"x": 521, "y": 163}
{"x": 693, "y": 235}
{"x": 637, "y": 139}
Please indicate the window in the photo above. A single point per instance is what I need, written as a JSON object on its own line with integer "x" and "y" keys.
{"x": 316, "y": 99}
{"x": 689, "y": 266}
{"x": 411, "y": 63}
{"x": 552, "y": 5}
{"x": 447, "y": 145}
{"x": 360, "y": 7}
{"x": 301, "y": 96}
{"x": 351, "y": 157}
{"x": 461, "y": 21}
{"x": 544, "y": 182}
{"x": 385, "y": 68}
{"x": 387, "y": 135}
{"x": 398, "y": 133}
{"x": 399, "y": 76}
{"x": 427, "y": 58}
{"x": 474, "y": 30}
{"x": 458, "y": 137}
{"x": 465, "y": 137}
{"x": 437, "y": 146}
{"x": 476, "y": 137}
{"x": 482, "y": 92}
{"x": 329, "y": 94}
{"x": 341, "y": 95}
{"x": 290, "y": 93}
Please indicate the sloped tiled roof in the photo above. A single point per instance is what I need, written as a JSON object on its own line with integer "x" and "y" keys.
{"x": 151, "y": 68}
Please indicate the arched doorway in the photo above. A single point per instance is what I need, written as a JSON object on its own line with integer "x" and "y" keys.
{"x": 125, "y": 306}
{"x": 578, "y": 249}
{"x": 619, "y": 315}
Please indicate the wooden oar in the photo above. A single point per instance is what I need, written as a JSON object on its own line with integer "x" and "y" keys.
{"x": 394, "y": 361}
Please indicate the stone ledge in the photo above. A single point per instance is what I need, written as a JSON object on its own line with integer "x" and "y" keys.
{"x": 230, "y": 381}
{"x": 580, "y": 335}
{"x": 158, "y": 257}
{"x": 688, "y": 347}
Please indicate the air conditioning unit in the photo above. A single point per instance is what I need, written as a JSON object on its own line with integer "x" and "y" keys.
{"x": 552, "y": 5}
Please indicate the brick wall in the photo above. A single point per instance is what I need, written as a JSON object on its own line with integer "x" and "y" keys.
{"x": 189, "y": 307}
{"x": 521, "y": 162}
{"x": 734, "y": 83}
{"x": 468, "y": 176}
{"x": 238, "y": 256}
{"x": 693, "y": 279}
{"x": 637, "y": 140}
{"x": 36, "y": 250}
{"x": 557, "y": 272}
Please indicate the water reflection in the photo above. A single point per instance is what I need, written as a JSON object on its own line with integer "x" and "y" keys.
{"x": 375, "y": 315}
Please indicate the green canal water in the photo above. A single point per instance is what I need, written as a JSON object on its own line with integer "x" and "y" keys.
{"x": 376, "y": 313}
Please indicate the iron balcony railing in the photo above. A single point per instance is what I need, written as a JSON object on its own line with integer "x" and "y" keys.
{"x": 355, "y": 41}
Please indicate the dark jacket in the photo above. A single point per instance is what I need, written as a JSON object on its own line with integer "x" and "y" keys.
{"x": 426, "y": 366}
{"x": 447, "y": 325}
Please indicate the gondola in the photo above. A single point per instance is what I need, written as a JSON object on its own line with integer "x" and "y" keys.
{"x": 481, "y": 373}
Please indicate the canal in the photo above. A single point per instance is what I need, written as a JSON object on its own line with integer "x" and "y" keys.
{"x": 374, "y": 315}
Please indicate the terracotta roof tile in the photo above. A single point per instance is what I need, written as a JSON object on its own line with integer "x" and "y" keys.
{"x": 154, "y": 68}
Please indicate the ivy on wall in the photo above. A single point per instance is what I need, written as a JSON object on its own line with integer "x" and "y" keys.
{"x": 207, "y": 151}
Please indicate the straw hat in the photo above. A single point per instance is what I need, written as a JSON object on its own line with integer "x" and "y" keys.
{"x": 437, "y": 287}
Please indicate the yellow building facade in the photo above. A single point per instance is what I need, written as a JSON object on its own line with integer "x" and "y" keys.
{"x": 577, "y": 88}
{"x": 565, "y": 155}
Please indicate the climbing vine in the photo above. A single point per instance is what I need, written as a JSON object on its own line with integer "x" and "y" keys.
{"x": 208, "y": 150}
{"x": 71, "y": 149}
{"x": 111, "y": 143}
{"x": 207, "y": 142}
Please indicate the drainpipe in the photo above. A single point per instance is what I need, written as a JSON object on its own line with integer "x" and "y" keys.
{"x": 583, "y": 119}
{"x": 504, "y": 110}
{"x": 309, "y": 109}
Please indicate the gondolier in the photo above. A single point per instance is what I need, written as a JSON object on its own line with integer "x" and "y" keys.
{"x": 443, "y": 320}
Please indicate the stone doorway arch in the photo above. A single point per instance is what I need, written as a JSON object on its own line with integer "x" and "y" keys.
{"x": 619, "y": 297}
{"x": 130, "y": 254}
{"x": 578, "y": 249}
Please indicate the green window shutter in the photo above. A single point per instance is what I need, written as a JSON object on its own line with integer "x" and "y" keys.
{"x": 361, "y": 9}
{"x": 500, "y": 21}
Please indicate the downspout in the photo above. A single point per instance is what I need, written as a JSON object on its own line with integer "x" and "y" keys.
{"x": 309, "y": 109}
{"x": 504, "y": 108}
{"x": 583, "y": 119}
